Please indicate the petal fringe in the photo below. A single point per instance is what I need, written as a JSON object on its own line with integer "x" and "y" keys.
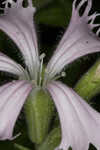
{"x": 80, "y": 123}
{"x": 18, "y": 24}
{"x": 12, "y": 98}
{"x": 77, "y": 41}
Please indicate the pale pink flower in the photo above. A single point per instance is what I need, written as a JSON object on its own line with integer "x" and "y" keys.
{"x": 6, "y": 3}
{"x": 80, "y": 123}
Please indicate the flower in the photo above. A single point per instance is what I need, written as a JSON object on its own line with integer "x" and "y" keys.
{"x": 79, "y": 122}
{"x": 6, "y": 3}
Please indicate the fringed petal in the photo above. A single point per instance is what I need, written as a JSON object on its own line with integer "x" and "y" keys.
{"x": 19, "y": 26}
{"x": 80, "y": 123}
{"x": 4, "y": 6}
{"x": 77, "y": 41}
{"x": 8, "y": 65}
{"x": 6, "y": 3}
{"x": 12, "y": 98}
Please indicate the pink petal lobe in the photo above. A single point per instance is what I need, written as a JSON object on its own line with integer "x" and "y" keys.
{"x": 80, "y": 123}
{"x": 19, "y": 26}
{"x": 77, "y": 41}
{"x": 12, "y": 98}
{"x": 8, "y": 65}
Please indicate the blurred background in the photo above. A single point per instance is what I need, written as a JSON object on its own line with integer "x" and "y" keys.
{"x": 51, "y": 19}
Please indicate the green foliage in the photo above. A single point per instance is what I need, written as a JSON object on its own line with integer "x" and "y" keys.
{"x": 52, "y": 140}
{"x": 51, "y": 15}
{"x": 57, "y": 13}
{"x": 89, "y": 85}
{"x": 20, "y": 147}
{"x": 41, "y": 3}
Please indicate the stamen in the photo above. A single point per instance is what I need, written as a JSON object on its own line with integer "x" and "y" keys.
{"x": 63, "y": 74}
{"x": 47, "y": 79}
{"x": 13, "y": 138}
{"x": 42, "y": 56}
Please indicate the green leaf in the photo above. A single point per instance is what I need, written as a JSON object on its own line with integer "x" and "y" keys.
{"x": 20, "y": 147}
{"x": 51, "y": 15}
{"x": 89, "y": 85}
{"x": 66, "y": 6}
{"x": 41, "y": 3}
{"x": 57, "y": 13}
{"x": 52, "y": 141}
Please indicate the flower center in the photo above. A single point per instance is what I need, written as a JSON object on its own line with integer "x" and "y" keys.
{"x": 47, "y": 78}
{"x": 43, "y": 77}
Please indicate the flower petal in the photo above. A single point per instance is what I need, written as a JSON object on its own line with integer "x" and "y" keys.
{"x": 12, "y": 98}
{"x": 77, "y": 41}
{"x": 79, "y": 122}
{"x": 19, "y": 26}
{"x": 6, "y": 3}
{"x": 8, "y": 65}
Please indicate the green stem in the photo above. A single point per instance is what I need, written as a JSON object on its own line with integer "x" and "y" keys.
{"x": 89, "y": 85}
{"x": 20, "y": 147}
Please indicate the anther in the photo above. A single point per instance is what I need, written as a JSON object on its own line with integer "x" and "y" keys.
{"x": 63, "y": 74}
{"x": 42, "y": 56}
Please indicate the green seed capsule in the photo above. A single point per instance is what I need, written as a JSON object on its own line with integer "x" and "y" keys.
{"x": 39, "y": 109}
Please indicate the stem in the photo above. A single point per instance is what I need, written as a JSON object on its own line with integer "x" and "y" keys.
{"x": 20, "y": 147}
{"x": 89, "y": 85}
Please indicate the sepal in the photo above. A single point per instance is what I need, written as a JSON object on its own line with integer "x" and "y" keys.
{"x": 39, "y": 111}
